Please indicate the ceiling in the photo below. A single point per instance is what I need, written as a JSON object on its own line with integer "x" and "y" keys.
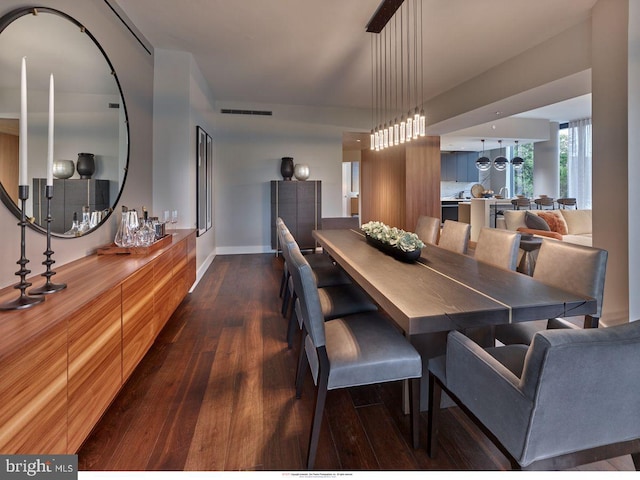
{"x": 317, "y": 53}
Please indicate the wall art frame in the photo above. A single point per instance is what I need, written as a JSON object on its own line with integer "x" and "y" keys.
{"x": 204, "y": 180}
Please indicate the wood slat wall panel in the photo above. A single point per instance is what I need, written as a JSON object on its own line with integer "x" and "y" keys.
{"x": 401, "y": 183}
{"x": 95, "y": 364}
{"x": 423, "y": 180}
{"x": 138, "y": 330}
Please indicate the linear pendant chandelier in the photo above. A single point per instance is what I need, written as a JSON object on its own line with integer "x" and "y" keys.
{"x": 396, "y": 87}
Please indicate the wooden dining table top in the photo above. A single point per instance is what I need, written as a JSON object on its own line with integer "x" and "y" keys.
{"x": 445, "y": 290}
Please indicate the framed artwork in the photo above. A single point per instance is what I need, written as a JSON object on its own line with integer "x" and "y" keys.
{"x": 204, "y": 181}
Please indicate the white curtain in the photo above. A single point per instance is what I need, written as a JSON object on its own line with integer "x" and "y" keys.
{"x": 579, "y": 162}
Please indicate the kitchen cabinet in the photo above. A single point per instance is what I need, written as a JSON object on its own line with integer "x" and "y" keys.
{"x": 298, "y": 203}
{"x": 459, "y": 167}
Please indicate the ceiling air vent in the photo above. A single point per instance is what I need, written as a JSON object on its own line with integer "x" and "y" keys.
{"x": 233, "y": 111}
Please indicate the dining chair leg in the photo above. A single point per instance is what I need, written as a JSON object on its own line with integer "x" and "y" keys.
{"x": 283, "y": 283}
{"x": 414, "y": 394}
{"x": 435, "y": 393}
{"x": 591, "y": 322}
{"x": 285, "y": 302}
{"x": 323, "y": 379}
{"x": 636, "y": 460}
{"x": 291, "y": 327}
{"x": 302, "y": 365}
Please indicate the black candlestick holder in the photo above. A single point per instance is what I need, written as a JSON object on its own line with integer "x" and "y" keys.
{"x": 24, "y": 300}
{"x": 48, "y": 287}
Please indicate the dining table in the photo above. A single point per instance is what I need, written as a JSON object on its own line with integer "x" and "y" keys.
{"x": 445, "y": 290}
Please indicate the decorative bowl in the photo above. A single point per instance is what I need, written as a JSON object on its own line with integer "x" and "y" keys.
{"x": 63, "y": 169}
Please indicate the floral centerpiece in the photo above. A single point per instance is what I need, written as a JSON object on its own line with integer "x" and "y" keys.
{"x": 402, "y": 245}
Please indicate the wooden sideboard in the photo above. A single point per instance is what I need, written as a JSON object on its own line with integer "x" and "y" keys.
{"x": 62, "y": 362}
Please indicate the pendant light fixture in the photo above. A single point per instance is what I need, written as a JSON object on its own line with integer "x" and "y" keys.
{"x": 501, "y": 162}
{"x": 483, "y": 163}
{"x": 517, "y": 161}
{"x": 389, "y": 87}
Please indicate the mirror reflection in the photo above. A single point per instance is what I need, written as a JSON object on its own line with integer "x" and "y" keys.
{"x": 91, "y": 135}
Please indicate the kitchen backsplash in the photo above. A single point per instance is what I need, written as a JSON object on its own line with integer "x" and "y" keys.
{"x": 453, "y": 189}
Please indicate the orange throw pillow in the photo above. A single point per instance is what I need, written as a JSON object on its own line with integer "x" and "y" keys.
{"x": 555, "y": 221}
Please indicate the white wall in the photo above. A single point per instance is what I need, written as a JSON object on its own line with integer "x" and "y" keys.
{"x": 182, "y": 102}
{"x": 614, "y": 213}
{"x": 248, "y": 158}
{"x": 134, "y": 67}
{"x": 546, "y": 165}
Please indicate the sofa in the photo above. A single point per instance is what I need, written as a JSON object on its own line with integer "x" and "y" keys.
{"x": 572, "y": 226}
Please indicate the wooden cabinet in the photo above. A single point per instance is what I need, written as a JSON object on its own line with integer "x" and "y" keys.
{"x": 63, "y": 362}
{"x": 95, "y": 364}
{"x": 33, "y": 388}
{"x": 138, "y": 326}
{"x": 298, "y": 203}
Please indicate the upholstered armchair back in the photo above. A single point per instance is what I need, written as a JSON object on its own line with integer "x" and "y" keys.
{"x": 585, "y": 389}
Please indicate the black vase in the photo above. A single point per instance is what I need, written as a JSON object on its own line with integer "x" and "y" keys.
{"x": 86, "y": 165}
{"x": 286, "y": 168}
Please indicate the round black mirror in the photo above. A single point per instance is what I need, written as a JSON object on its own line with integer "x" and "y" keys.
{"x": 91, "y": 128}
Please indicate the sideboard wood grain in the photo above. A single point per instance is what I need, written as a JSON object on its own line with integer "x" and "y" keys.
{"x": 63, "y": 361}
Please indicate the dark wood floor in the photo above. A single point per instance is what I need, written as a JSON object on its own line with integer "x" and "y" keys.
{"x": 215, "y": 392}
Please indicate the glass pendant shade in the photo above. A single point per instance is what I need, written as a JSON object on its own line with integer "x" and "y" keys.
{"x": 391, "y": 135}
{"x": 416, "y": 124}
{"x": 423, "y": 123}
{"x": 409, "y": 128}
{"x": 483, "y": 164}
{"x": 377, "y": 134}
{"x": 517, "y": 162}
{"x": 373, "y": 141}
{"x": 500, "y": 163}
{"x": 396, "y": 132}
{"x": 385, "y": 137}
{"x": 403, "y": 130}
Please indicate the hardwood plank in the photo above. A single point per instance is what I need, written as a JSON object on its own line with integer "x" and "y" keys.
{"x": 172, "y": 448}
{"x": 391, "y": 448}
{"x": 352, "y": 445}
{"x": 244, "y": 450}
{"x": 208, "y": 447}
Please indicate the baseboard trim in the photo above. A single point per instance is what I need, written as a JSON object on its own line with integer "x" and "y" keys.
{"x": 202, "y": 270}
{"x": 247, "y": 249}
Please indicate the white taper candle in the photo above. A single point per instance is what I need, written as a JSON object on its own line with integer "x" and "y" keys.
{"x": 23, "y": 125}
{"x": 50, "y": 138}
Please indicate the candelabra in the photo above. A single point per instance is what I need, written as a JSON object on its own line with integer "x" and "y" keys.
{"x": 48, "y": 287}
{"x": 24, "y": 300}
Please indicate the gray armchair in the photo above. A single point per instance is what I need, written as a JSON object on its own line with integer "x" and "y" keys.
{"x": 572, "y": 397}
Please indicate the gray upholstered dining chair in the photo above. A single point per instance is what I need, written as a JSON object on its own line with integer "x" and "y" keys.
{"x": 498, "y": 247}
{"x": 359, "y": 349}
{"x": 335, "y": 300}
{"x": 567, "y": 266}
{"x": 428, "y": 229}
{"x": 326, "y": 272}
{"x": 455, "y": 236}
{"x": 572, "y": 397}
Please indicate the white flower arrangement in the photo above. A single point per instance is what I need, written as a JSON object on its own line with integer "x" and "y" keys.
{"x": 396, "y": 237}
